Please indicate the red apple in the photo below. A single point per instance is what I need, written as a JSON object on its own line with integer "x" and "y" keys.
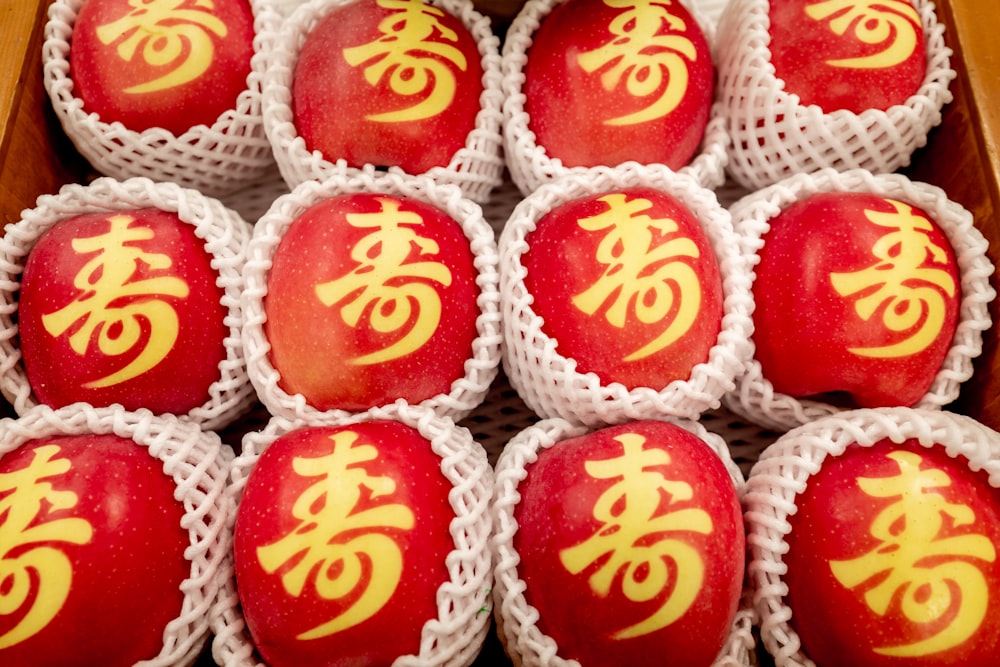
{"x": 606, "y": 83}
{"x": 91, "y": 553}
{"x": 892, "y": 560}
{"x": 121, "y": 307}
{"x": 848, "y": 55}
{"x": 628, "y": 285}
{"x": 856, "y": 295}
{"x": 389, "y": 83}
{"x": 161, "y": 63}
{"x": 341, "y": 538}
{"x": 370, "y": 298}
{"x": 631, "y": 546}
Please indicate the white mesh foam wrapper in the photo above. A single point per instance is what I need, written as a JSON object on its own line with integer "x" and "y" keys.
{"x": 477, "y": 167}
{"x": 484, "y": 361}
{"x": 774, "y": 136}
{"x": 529, "y": 164}
{"x": 549, "y": 382}
{"x": 782, "y": 472}
{"x": 517, "y": 620}
{"x": 216, "y": 160}
{"x": 456, "y": 636}
{"x": 224, "y": 233}
{"x": 198, "y": 463}
{"x": 755, "y": 397}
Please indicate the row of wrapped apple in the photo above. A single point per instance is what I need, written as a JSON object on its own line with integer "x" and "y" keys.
{"x": 760, "y": 95}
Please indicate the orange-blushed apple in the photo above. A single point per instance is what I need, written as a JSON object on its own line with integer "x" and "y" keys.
{"x": 627, "y": 284}
{"x": 172, "y": 64}
{"x": 92, "y": 551}
{"x": 607, "y": 83}
{"x": 341, "y": 538}
{"x": 851, "y": 56}
{"x": 857, "y": 300}
{"x": 387, "y": 83}
{"x": 370, "y": 298}
{"x": 631, "y": 545}
{"x": 892, "y": 560}
{"x": 122, "y": 307}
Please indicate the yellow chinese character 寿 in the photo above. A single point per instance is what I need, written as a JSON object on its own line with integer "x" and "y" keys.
{"x": 177, "y": 33}
{"x": 415, "y": 63}
{"x": 909, "y": 293}
{"x": 651, "y": 63}
{"x": 334, "y": 539}
{"x": 109, "y": 278}
{"x": 933, "y": 576}
{"x": 398, "y": 295}
{"x": 636, "y": 537}
{"x": 642, "y": 280}
{"x": 28, "y": 498}
{"x": 894, "y": 23}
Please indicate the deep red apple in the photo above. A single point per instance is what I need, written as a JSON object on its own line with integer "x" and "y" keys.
{"x": 389, "y": 83}
{"x": 858, "y": 295}
{"x": 91, "y": 553}
{"x": 627, "y": 284}
{"x": 631, "y": 546}
{"x": 161, "y": 63}
{"x": 608, "y": 82}
{"x": 848, "y": 55}
{"x": 892, "y": 560}
{"x": 371, "y": 298}
{"x": 121, "y": 307}
{"x": 340, "y": 543}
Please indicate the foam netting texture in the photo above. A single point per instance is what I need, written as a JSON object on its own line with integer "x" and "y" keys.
{"x": 477, "y": 168}
{"x": 198, "y": 463}
{"x": 456, "y": 636}
{"x": 517, "y": 620}
{"x": 484, "y": 361}
{"x": 550, "y": 382}
{"x": 231, "y": 153}
{"x": 782, "y": 473}
{"x": 225, "y": 235}
{"x": 755, "y": 398}
{"x": 529, "y": 165}
{"x": 774, "y": 136}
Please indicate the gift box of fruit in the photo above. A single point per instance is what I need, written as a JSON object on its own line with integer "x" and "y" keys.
{"x": 472, "y": 333}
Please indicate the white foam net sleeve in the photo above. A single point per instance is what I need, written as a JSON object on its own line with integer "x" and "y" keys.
{"x": 231, "y": 153}
{"x": 224, "y": 233}
{"x": 782, "y": 473}
{"x": 456, "y": 636}
{"x": 197, "y": 462}
{"x": 774, "y": 135}
{"x": 549, "y": 382}
{"x": 483, "y": 363}
{"x": 529, "y": 164}
{"x": 517, "y": 620}
{"x": 755, "y": 398}
{"x": 477, "y": 167}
